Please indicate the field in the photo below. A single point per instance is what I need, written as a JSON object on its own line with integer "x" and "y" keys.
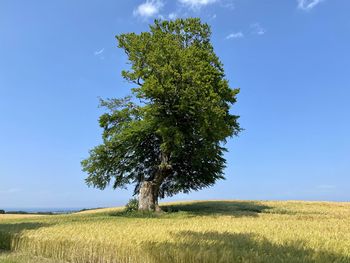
{"x": 206, "y": 231}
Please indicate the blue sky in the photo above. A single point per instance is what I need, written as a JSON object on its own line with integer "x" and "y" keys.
{"x": 290, "y": 58}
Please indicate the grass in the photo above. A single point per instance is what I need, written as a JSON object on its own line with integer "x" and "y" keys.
{"x": 207, "y": 231}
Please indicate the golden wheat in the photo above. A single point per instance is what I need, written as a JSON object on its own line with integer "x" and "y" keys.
{"x": 207, "y": 231}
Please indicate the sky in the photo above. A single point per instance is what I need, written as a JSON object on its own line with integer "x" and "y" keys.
{"x": 290, "y": 59}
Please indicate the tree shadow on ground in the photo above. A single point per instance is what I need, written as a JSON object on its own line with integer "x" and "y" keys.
{"x": 228, "y": 208}
{"x": 190, "y": 246}
{"x": 10, "y": 231}
{"x": 200, "y": 208}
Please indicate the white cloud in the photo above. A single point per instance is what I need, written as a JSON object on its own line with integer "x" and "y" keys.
{"x": 10, "y": 191}
{"x": 308, "y": 4}
{"x": 99, "y": 52}
{"x": 235, "y": 35}
{"x": 327, "y": 186}
{"x": 197, "y": 4}
{"x": 228, "y": 4}
{"x": 172, "y": 16}
{"x": 257, "y": 29}
{"x": 149, "y": 8}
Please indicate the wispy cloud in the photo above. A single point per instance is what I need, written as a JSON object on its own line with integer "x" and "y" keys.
{"x": 99, "y": 52}
{"x": 235, "y": 35}
{"x": 326, "y": 186}
{"x": 197, "y": 4}
{"x": 172, "y": 16}
{"x": 257, "y": 29}
{"x": 228, "y": 4}
{"x": 308, "y": 4}
{"x": 148, "y": 9}
{"x": 10, "y": 191}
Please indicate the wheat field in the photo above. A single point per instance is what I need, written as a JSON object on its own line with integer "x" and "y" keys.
{"x": 205, "y": 231}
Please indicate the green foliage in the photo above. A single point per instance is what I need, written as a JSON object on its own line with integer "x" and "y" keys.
{"x": 2, "y": 211}
{"x": 171, "y": 130}
{"x": 132, "y": 205}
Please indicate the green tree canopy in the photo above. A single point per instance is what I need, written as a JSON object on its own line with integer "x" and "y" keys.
{"x": 168, "y": 136}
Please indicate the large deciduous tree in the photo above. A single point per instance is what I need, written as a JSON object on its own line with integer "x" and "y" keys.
{"x": 168, "y": 136}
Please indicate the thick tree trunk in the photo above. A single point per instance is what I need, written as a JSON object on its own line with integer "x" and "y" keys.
{"x": 148, "y": 197}
{"x": 149, "y": 190}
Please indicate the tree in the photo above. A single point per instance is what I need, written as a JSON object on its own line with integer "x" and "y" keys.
{"x": 168, "y": 136}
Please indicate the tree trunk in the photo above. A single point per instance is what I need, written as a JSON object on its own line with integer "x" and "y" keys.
{"x": 148, "y": 197}
{"x": 149, "y": 190}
